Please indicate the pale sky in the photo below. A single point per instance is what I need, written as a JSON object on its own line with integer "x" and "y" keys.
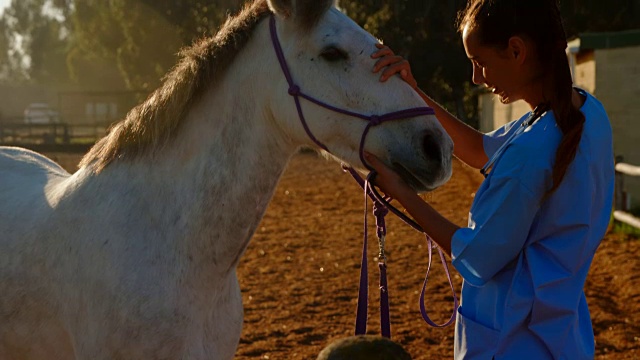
{"x": 4, "y": 4}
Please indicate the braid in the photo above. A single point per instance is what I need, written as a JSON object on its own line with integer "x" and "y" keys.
{"x": 559, "y": 87}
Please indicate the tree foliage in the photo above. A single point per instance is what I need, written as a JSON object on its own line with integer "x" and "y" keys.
{"x": 34, "y": 43}
{"x": 139, "y": 37}
{"x": 600, "y": 16}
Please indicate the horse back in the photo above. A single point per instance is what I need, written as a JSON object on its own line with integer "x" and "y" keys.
{"x": 26, "y": 181}
{"x": 27, "y": 314}
{"x": 25, "y": 172}
{"x": 15, "y": 161}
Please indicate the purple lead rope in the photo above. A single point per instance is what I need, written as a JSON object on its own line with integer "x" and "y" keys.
{"x": 430, "y": 244}
{"x": 423, "y": 309}
{"x": 379, "y": 211}
{"x": 382, "y": 202}
{"x": 381, "y": 205}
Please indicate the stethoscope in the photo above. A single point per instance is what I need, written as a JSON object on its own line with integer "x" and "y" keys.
{"x": 532, "y": 118}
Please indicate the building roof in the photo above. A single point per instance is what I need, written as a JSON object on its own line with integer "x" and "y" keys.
{"x": 606, "y": 40}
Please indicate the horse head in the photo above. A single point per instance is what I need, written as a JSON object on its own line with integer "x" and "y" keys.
{"x": 329, "y": 59}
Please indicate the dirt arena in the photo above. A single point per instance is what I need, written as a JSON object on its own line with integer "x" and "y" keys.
{"x": 299, "y": 276}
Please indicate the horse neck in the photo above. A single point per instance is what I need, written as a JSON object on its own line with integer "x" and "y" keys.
{"x": 239, "y": 162}
{"x": 231, "y": 178}
{"x": 219, "y": 173}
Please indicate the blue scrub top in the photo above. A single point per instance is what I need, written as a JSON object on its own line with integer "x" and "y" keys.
{"x": 524, "y": 261}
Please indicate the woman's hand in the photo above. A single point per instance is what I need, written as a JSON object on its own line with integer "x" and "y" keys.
{"x": 439, "y": 228}
{"x": 394, "y": 64}
{"x": 388, "y": 180}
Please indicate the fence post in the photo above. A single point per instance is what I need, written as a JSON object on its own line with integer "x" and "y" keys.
{"x": 66, "y": 139}
{"x": 620, "y": 195}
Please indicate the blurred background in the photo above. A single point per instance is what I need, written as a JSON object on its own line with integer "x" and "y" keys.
{"x": 70, "y": 68}
{"x": 100, "y": 52}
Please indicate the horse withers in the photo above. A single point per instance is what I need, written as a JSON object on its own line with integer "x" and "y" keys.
{"x": 134, "y": 255}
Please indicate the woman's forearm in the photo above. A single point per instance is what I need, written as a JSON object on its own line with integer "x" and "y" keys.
{"x": 435, "y": 225}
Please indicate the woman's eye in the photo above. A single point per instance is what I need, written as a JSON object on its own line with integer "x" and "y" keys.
{"x": 333, "y": 54}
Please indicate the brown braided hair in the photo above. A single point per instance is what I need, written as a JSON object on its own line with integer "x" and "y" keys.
{"x": 496, "y": 21}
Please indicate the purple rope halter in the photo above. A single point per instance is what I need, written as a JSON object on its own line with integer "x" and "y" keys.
{"x": 381, "y": 205}
{"x": 373, "y": 120}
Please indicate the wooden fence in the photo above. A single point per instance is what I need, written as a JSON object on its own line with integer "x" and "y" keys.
{"x": 54, "y": 137}
{"x": 622, "y": 199}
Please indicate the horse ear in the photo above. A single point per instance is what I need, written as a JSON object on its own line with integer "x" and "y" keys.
{"x": 281, "y": 8}
{"x": 305, "y": 12}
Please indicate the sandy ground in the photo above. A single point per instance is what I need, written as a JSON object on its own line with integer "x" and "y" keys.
{"x": 299, "y": 276}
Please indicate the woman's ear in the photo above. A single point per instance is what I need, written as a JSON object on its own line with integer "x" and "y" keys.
{"x": 518, "y": 49}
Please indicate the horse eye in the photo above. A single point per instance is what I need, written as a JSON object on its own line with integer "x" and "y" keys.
{"x": 333, "y": 54}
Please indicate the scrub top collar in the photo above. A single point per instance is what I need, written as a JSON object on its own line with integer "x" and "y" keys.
{"x": 534, "y": 115}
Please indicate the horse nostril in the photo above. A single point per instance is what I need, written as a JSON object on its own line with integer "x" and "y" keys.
{"x": 431, "y": 147}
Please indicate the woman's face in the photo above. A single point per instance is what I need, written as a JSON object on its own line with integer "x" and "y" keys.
{"x": 499, "y": 70}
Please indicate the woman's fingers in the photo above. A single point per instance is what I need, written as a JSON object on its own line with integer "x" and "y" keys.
{"x": 372, "y": 160}
{"x": 394, "y": 64}
{"x": 387, "y": 179}
{"x": 386, "y": 61}
{"x": 394, "y": 68}
{"x": 383, "y": 48}
{"x": 403, "y": 69}
{"x": 382, "y": 53}
{"x": 381, "y": 168}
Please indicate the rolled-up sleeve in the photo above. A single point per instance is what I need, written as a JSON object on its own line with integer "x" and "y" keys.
{"x": 499, "y": 223}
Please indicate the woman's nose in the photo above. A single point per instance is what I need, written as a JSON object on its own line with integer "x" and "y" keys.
{"x": 477, "y": 76}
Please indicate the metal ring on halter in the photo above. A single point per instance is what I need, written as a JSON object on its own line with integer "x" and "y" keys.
{"x": 381, "y": 256}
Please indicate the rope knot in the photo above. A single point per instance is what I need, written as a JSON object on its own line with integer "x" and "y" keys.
{"x": 379, "y": 210}
{"x": 294, "y": 90}
{"x": 375, "y": 120}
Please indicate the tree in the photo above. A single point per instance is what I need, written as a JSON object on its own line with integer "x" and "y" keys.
{"x": 35, "y": 44}
{"x": 139, "y": 37}
{"x": 6, "y": 66}
{"x": 600, "y": 16}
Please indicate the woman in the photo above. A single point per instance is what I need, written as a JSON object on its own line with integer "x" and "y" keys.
{"x": 545, "y": 203}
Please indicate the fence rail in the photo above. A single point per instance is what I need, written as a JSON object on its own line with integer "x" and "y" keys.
{"x": 622, "y": 199}
{"x": 53, "y": 137}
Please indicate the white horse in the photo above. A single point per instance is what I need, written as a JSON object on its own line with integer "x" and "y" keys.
{"x": 134, "y": 256}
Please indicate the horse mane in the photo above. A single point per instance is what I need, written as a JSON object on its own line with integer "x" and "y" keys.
{"x": 148, "y": 126}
